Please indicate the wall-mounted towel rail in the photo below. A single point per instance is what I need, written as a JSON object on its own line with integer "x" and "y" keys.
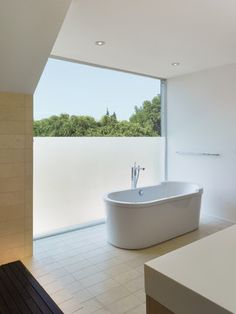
{"x": 198, "y": 154}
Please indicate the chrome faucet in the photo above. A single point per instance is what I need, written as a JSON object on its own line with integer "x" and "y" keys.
{"x": 135, "y": 170}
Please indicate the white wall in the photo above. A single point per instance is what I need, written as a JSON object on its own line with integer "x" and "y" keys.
{"x": 71, "y": 175}
{"x": 202, "y": 118}
{"x": 28, "y": 32}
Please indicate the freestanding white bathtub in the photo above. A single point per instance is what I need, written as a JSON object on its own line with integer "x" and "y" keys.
{"x": 146, "y": 216}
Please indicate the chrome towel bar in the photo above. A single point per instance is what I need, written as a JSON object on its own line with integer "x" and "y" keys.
{"x": 198, "y": 154}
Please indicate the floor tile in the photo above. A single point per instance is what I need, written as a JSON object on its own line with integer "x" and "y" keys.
{"x": 85, "y": 274}
{"x": 113, "y": 294}
{"x": 90, "y": 306}
{"x": 127, "y": 276}
{"x": 102, "y": 287}
{"x": 94, "y": 279}
{"x": 140, "y": 309}
{"x": 82, "y": 296}
{"x": 70, "y": 306}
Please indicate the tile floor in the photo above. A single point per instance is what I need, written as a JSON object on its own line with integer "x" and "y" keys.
{"x": 84, "y": 274}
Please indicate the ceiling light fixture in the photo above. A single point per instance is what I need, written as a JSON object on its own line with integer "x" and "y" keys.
{"x": 100, "y": 43}
{"x": 175, "y": 64}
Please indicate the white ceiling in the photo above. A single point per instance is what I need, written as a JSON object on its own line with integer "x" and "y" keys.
{"x": 146, "y": 36}
{"x": 28, "y": 30}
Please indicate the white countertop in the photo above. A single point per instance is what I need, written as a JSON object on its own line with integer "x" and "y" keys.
{"x": 197, "y": 278}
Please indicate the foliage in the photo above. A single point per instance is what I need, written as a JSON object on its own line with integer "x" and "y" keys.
{"x": 149, "y": 114}
{"x": 144, "y": 122}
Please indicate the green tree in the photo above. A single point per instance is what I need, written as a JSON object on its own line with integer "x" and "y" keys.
{"x": 149, "y": 114}
{"x": 108, "y": 120}
{"x": 64, "y": 125}
{"x": 144, "y": 122}
{"x": 121, "y": 128}
{"x": 82, "y": 125}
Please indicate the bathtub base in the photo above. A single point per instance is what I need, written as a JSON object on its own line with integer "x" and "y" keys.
{"x": 145, "y": 247}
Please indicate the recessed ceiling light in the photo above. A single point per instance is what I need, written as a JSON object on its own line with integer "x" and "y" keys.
{"x": 100, "y": 43}
{"x": 175, "y": 64}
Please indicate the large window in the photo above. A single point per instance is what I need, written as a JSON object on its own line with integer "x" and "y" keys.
{"x": 91, "y": 125}
{"x": 80, "y": 100}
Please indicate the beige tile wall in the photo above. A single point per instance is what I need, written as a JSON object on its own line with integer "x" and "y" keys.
{"x": 16, "y": 164}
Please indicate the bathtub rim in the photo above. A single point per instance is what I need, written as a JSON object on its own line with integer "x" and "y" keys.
{"x": 198, "y": 192}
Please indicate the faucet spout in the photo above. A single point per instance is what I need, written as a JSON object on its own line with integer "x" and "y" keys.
{"x": 135, "y": 171}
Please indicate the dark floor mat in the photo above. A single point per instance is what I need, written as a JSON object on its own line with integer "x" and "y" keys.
{"x": 21, "y": 293}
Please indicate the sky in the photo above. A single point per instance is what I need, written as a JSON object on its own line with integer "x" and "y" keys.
{"x": 76, "y": 89}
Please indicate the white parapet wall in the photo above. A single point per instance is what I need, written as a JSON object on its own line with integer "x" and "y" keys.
{"x": 71, "y": 175}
